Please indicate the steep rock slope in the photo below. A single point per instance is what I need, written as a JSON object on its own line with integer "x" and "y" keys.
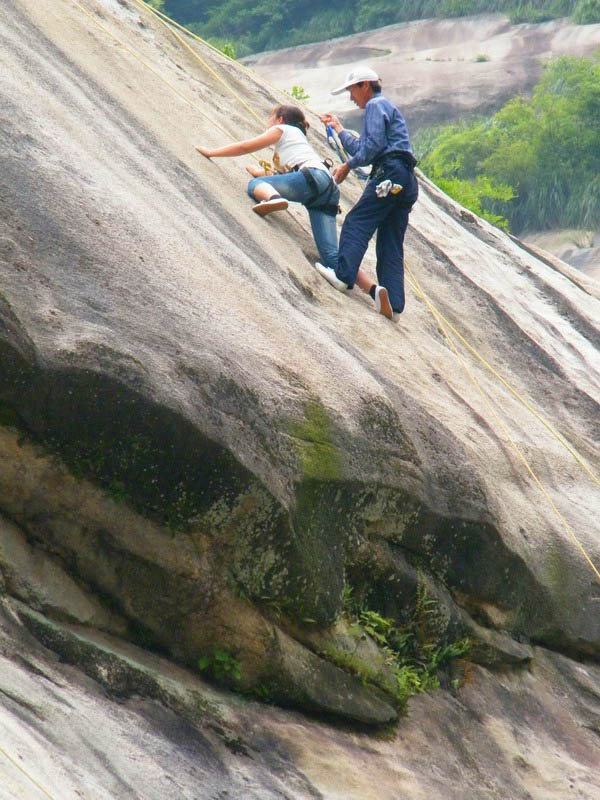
{"x": 202, "y": 444}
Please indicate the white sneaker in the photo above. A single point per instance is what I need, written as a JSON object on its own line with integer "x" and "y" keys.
{"x": 330, "y": 276}
{"x": 382, "y": 302}
{"x": 268, "y": 206}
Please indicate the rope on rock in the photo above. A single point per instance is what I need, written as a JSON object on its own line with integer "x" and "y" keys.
{"x": 443, "y": 325}
{"x": 472, "y": 349}
{"x": 27, "y": 775}
{"x": 196, "y": 55}
{"x": 155, "y": 72}
{"x": 580, "y": 460}
{"x": 206, "y": 43}
{"x": 440, "y": 319}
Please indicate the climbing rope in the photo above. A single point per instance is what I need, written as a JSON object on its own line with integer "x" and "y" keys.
{"x": 442, "y": 322}
{"x": 443, "y": 325}
{"x": 155, "y": 72}
{"x": 238, "y": 64}
{"x": 515, "y": 393}
{"x": 204, "y": 63}
{"x": 27, "y": 775}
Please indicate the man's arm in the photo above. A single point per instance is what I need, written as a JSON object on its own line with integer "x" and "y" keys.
{"x": 372, "y": 141}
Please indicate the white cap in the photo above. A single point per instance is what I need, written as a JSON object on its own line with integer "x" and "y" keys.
{"x": 358, "y": 75}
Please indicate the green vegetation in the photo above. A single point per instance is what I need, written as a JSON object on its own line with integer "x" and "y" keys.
{"x": 273, "y": 24}
{"x": 225, "y": 46}
{"x": 587, "y": 12}
{"x": 299, "y": 93}
{"x": 414, "y": 650}
{"x": 313, "y": 442}
{"x": 535, "y": 164}
{"x": 221, "y": 666}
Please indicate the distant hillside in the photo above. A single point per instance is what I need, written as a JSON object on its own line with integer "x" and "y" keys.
{"x": 271, "y": 24}
{"x": 437, "y": 70}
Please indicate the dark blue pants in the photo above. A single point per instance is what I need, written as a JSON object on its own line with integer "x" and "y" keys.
{"x": 389, "y": 217}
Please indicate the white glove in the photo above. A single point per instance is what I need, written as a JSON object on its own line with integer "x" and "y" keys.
{"x": 385, "y": 187}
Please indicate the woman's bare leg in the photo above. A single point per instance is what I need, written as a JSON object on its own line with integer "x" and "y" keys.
{"x": 363, "y": 281}
{"x": 264, "y": 191}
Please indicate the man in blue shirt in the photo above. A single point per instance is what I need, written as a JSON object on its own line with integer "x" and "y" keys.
{"x": 386, "y": 201}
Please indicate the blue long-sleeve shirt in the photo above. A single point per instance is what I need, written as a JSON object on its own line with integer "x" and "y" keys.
{"x": 384, "y": 131}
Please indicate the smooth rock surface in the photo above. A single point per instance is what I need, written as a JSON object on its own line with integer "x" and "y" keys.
{"x": 136, "y": 726}
{"x": 581, "y": 249}
{"x": 193, "y": 425}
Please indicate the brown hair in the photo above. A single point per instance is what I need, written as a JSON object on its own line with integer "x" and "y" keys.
{"x": 292, "y": 115}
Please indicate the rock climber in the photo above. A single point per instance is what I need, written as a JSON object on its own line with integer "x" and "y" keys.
{"x": 386, "y": 200}
{"x": 306, "y": 178}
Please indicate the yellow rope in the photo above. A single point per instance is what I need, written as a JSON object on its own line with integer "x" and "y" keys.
{"x": 436, "y": 314}
{"x": 155, "y": 72}
{"x": 165, "y": 19}
{"x": 442, "y": 322}
{"x": 206, "y": 66}
{"x": 27, "y": 775}
{"x": 519, "y": 397}
{"x": 216, "y": 50}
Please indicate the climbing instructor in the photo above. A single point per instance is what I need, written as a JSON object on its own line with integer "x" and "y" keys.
{"x": 387, "y": 198}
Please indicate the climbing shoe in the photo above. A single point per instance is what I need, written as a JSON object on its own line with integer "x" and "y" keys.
{"x": 382, "y": 302}
{"x": 268, "y": 206}
{"x": 330, "y": 276}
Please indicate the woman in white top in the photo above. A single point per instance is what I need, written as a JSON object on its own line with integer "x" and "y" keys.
{"x": 308, "y": 181}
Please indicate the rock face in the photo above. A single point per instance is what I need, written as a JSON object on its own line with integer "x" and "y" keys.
{"x": 437, "y": 69}
{"x": 127, "y": 724}
{"x": 203, "y": 447}
{"x": 579, "y": 248}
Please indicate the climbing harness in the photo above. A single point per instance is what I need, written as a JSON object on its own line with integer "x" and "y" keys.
{"x": 326, "y": 200}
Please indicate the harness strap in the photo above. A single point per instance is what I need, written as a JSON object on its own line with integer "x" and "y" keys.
{"x": 326, "y": 200}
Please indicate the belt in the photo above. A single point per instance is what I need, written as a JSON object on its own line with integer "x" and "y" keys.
{"x": 402, "y": 155}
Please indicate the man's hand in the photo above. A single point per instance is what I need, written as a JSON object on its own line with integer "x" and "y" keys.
{"x": 204, "y": 151}
{"x": 331, "y": 119}
{"x": 341, "y": 173}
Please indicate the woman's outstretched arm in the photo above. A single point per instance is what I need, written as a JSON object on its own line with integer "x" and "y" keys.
{"x": 266, "y": 139}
